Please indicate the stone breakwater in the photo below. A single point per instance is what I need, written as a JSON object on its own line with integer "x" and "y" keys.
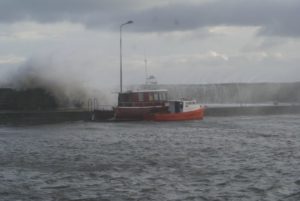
{"x": 41, "y": 117}
{"x": 57, "y": 116}
{"x": 252, "y": 110}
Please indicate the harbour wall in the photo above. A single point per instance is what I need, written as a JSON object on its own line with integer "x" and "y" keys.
{"x": 251, "y": 110}
{"x": 59, "y": 116}
{"x": 43, "y": 117}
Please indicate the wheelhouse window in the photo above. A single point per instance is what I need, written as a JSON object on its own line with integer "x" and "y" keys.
{"x": 162, "y": 96}
{"x": 156, "y": 97}
{"x": 141, "y": 97}
{"x": 150, "y": 97}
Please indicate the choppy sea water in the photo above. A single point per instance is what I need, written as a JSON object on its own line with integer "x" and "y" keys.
{"x": 232, "y": 158}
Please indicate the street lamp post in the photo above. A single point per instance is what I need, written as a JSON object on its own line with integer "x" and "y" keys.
{"x": 121, "y": 72}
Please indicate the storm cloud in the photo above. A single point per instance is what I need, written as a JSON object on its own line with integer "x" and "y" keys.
{"x": 221, "y": 40}
{"x": 273, "y": 17}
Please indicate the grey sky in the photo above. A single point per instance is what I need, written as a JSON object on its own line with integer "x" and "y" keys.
{"x": 275, "y": 17}
{"x": 192, "y": 41}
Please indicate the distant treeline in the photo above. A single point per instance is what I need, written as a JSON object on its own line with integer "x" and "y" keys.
{"x": 237, "y": 92}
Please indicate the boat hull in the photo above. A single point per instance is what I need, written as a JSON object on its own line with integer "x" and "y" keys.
{"x": 136, "y": 113}
{"x": 181, "y": 116}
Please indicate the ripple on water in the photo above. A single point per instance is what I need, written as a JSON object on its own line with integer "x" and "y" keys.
{"x": 234, "y": 158}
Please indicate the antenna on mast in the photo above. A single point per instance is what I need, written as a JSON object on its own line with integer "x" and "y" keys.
{"x": 146, "y": 71}
{"x": 150, "y": 79}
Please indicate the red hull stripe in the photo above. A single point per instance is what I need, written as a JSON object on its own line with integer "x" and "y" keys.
{"x": 192, "y": 115}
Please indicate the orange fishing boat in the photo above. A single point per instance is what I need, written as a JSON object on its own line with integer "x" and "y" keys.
{"x": 153, "y": 105}
{"x": 179, "y": 110}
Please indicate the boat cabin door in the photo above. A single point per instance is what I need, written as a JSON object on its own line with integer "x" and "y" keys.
{"x": 175, "y": 106}
{"x": 178, "y": 106}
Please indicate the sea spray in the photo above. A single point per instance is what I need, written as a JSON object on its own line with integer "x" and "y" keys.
{"x": 62, "y": 82}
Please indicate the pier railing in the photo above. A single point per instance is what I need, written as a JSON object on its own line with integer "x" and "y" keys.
{"x": 93, "y": 105}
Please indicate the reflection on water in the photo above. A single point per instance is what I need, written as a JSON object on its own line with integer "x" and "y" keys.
{"x": 236, "y": 158}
